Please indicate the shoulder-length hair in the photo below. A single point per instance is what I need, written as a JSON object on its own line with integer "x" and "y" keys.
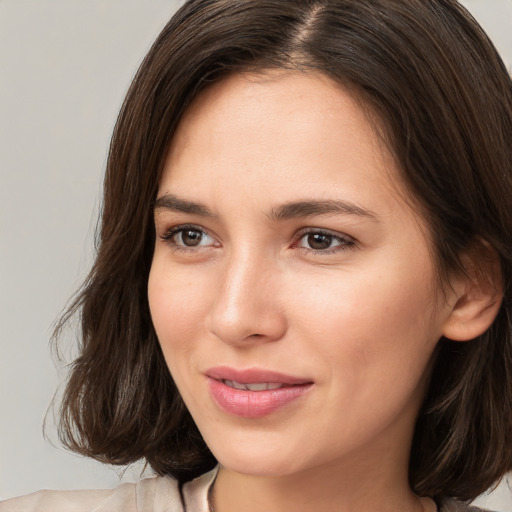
{"x": 434, "y": 79}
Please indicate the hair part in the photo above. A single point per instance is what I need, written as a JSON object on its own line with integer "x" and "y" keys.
{"x": 444, "y": 97}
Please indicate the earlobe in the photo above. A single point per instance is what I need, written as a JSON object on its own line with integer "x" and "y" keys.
{"x": 478, "y": 294}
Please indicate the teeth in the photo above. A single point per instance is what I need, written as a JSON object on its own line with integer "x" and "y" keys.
{"x": 261, "y": 386}
{"x": 258, "y": 386}
{"x": 274, "y": 385}
{"x": 236, "y": 385}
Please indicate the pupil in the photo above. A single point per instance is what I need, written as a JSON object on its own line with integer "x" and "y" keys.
{"x": 319, "y": 241}
{"x": 191, "y": 238}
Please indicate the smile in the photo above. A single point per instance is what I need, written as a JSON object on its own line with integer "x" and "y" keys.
{"x": 255, "y": 386}
{"x": 254, "y": 393}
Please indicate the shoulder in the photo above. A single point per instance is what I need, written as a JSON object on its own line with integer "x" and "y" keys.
{"x": 450, "y": 505}
{"x": 149, "y": 495}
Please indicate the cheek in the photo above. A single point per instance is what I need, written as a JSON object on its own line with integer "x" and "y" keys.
{"x": 177, "y": 302}
{"x": 378, "y": 322}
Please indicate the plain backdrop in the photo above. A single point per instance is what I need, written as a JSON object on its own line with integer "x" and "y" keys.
{"x": 65, "y": 66}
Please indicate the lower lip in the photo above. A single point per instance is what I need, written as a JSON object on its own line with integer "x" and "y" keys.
{"x": 254, "y": 404}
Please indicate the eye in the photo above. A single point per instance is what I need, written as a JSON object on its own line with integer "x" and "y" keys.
{"x": 324, "y": 241}
{"x": 188, "y": 237}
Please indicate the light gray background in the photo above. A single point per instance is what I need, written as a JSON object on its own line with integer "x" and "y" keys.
{"x": 65, "y": 66}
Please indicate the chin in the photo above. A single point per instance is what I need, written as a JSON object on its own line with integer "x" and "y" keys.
{"x": 269, "y": 454}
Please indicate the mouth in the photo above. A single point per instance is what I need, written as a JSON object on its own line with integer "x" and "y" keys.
{"x": 234, "y": 377}
{"x": 255, "y": 386}
{"x": 254, "y": 393}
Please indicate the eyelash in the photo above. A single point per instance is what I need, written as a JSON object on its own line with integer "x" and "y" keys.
{"x": 344, "y": 242}
{"x": 168, "y": 236}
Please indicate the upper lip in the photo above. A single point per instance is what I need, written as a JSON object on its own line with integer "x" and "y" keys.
{"x": 254, "y": 376}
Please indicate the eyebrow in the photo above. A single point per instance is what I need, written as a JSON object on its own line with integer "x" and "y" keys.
{"x": 295, "y": 209}
{"x": 310, "y": 208}
{"x": 173, "y": 203}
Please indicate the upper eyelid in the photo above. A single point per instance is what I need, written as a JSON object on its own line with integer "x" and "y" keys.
{"x": 300, "y": 232}
{"x": 161, "y": 216}
{"x": 324, "y": 231}
{"x": 168, "y": 234}
{"x": 346, "y": 242}
{"x": 312, "y": 229}
{"x": 171, "y": 231}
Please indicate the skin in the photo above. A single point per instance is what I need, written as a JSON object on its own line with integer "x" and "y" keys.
{"x": 359, "y": 317}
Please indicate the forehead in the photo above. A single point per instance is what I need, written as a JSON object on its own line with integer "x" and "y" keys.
{"x": 277, "y": 133}
{"x": 273, "y": 98}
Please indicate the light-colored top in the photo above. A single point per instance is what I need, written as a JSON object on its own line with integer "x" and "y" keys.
{"x": 158, "y": 494}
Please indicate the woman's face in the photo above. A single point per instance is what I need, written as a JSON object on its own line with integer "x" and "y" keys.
{"x": 292, "y": 289}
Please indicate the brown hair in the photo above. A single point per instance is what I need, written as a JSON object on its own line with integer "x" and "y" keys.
{"x": 445, "y": 98}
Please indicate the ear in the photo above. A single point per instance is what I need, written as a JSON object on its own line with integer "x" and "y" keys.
{"x": 477, "y": 293}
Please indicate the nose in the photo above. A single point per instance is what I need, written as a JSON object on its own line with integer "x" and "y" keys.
{"x": 246, "y": 308}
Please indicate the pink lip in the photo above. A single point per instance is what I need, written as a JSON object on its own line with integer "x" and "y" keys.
{"x": 254, "y": 404}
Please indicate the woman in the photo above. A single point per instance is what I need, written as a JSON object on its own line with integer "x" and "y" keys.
{"x": 306, "y": 224}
